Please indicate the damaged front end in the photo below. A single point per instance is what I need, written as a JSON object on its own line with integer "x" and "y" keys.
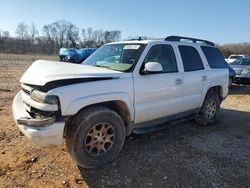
{"x": 41, "y": 107}
{"x": 38, "y": 116}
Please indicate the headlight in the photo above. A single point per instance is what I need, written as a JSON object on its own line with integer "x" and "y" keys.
{"x": 43, "y": 97}
{"x": 245, "y": 72}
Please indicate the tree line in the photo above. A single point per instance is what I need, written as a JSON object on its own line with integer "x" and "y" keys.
{"x": 63, "y": 33}
{"x": 53, "y": 36}
{"x": 240, "y": 48}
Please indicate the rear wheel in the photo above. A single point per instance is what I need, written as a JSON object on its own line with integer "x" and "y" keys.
{"x": 95, "y": 137}
{"x": 209, "y": 109}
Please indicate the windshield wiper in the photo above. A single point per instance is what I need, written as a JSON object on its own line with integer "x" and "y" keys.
{"x": 103, "y": 66}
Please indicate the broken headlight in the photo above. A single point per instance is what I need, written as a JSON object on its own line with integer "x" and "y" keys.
{"x": 43, "y": 97}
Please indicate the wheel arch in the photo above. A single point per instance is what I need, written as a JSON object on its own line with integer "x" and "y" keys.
{"x": 216, "y": 88}
{"x": 117, "y": 105}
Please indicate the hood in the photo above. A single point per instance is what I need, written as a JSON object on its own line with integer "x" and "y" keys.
{"x": 41, "y": 72}
{"x": 239, "y": 68}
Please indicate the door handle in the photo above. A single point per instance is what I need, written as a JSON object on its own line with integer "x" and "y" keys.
{"x": 178, "y": 81}
{"x": 204, "y": 78}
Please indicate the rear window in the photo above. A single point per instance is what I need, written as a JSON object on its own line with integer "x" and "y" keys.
{"x": 235, "y": 57}
{"x": 241, "y": 61}
{"x": 190, "y": 58}
{"x": 214, "y": 57}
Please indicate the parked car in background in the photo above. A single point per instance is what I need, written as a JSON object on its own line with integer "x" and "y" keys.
{"x": 242, "y": 69}
{"x": 73, "y": 55}
{"x": 232, "y": 58}
{"x": 66, "y": 52}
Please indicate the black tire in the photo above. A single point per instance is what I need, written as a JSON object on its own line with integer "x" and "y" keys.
{"x": 209, "y": 109}
{"x": 83, "y": 142}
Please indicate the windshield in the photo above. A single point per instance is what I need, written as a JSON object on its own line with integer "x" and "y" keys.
{"x": 120, "y": 57}
{"x": 241, "y": 61}
{"x": 235, "y": 57}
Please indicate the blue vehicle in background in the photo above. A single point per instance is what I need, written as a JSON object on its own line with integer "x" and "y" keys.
{"x": 73, "y": 55}
{"x": 232, "y": 75}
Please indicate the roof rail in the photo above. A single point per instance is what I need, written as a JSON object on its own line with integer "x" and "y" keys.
{"x": 140, "y": 38}
{"x": 194, "y": 40}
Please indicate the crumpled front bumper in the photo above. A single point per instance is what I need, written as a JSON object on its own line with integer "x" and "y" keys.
{"x": 46, "y": 132}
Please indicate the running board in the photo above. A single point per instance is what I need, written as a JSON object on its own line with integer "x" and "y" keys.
{"x": 148, "y": 129}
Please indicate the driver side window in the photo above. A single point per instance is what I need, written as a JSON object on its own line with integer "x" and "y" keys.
{"x": 163, "y": 54}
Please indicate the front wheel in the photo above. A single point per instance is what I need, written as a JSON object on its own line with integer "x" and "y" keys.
{"x": 95, "y": 137}
{"x": 209, "y": 109}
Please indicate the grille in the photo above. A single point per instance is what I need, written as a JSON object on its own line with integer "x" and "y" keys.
{"x": 26, "y": 91}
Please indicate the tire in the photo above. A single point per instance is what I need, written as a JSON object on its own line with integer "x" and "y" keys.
{"x": 95, "y": 137}
{"x": 209, "y": 109}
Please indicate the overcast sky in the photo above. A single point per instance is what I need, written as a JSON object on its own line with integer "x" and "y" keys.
{"x": 221, "y": 21}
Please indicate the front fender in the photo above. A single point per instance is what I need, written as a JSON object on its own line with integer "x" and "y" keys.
{"x": 82, "y": 102}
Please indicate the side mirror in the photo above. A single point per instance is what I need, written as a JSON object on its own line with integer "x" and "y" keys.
{"x": 152, "y": 67}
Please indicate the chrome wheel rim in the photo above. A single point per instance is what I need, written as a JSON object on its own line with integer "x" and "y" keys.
{"x": 211, "y": 109}
{"x": 99, "y": 139}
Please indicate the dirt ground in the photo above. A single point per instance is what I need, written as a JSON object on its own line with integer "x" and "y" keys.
{"x": 184, "y": 155}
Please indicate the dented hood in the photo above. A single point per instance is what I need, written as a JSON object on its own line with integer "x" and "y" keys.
{"x": 41, "y": 72}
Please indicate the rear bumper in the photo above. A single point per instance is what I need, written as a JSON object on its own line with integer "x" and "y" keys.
{"x": 46, "y": 132}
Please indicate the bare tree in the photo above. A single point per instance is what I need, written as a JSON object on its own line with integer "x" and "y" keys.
{"x": 54, "y": 36}
{"x": 100, "y": 37}
{"x": 89, "y": 33}
{"x": 111, "y": 36}
{"x": 22, "y": 31}
{"x": 72, "y": 36}
{"x": 33, "y": 33}
{"x": 5, "y": 34}
{"x": 83, "y": 35}
{"x": 49, "y": 38}
{"x": 62, "y": 33}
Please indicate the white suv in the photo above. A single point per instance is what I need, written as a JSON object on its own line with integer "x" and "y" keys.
{"x": 124, "y": 87}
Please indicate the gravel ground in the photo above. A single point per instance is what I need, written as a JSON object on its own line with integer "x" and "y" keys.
{"x": 184, "y": 155}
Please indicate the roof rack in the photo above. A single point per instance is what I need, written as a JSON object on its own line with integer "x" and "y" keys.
{"x": 194, "y": 40}
{"x": 140, "y": 38}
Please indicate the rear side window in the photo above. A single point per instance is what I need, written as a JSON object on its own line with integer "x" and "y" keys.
{"x": 190, "y": 58}
{"x": 245, "y": 62}
{"x": 214, "y": 57}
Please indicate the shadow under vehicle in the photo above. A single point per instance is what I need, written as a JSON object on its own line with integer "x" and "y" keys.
{"x": 184, "y": 155}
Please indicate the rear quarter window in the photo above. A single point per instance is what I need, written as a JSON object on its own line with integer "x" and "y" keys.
{"x": 214, "y": 57}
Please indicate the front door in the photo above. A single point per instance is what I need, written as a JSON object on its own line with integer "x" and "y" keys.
{"x": 160, "y": 94}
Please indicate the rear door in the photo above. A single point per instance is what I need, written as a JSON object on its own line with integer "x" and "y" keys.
{"x": 194, "y": 77}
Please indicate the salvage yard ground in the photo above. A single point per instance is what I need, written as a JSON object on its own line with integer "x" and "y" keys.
{"x": 184, "y": 155}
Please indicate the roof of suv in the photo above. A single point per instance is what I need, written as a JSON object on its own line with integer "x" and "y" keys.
{"x": 177, "y": 39}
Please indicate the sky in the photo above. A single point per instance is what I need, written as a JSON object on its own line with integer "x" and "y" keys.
{"x": 221, "y": 21}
